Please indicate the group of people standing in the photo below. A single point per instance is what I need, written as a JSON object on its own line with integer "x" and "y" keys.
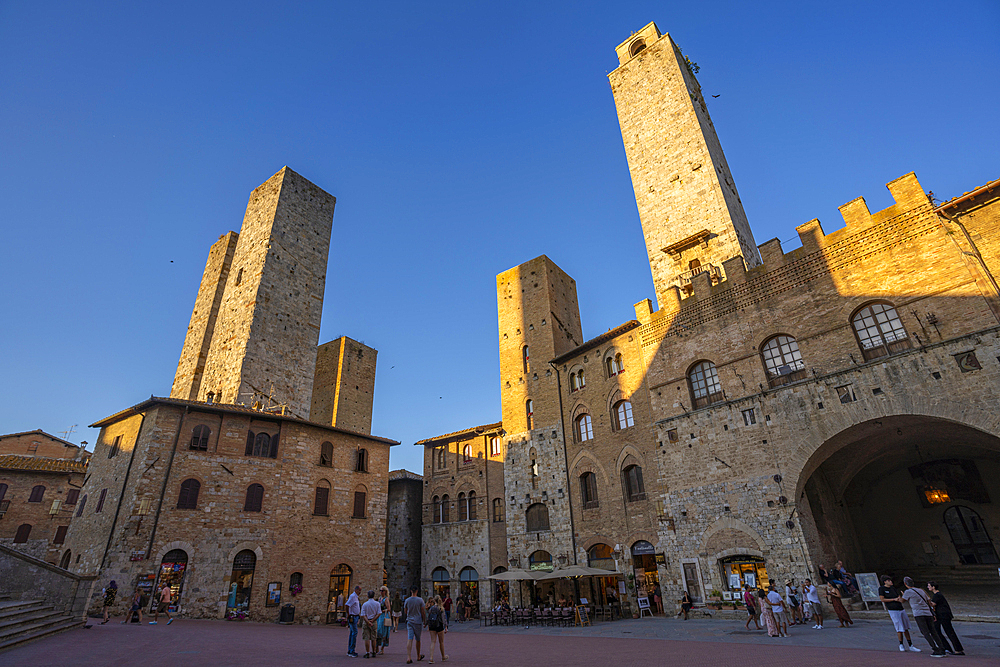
{"x": 931, "y": 612}
{"x": 379, "y": 617}
{"x": 799, "y": 605}
{"x": 137, "y": 602}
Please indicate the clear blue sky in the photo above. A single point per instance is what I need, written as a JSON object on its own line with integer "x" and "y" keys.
{"x": 460, "y": 139}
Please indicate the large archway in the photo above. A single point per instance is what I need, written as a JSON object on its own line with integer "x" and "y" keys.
{"x": 882, "y": 496}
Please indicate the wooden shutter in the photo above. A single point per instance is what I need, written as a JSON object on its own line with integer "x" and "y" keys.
{"x": 36, "y": 494}
{"x": 255, "y": 498}
{"x": 274, "y": 447}
{"x": 359, "y": 504}
{"x": 250, "y": 439}
{"x": 60, "y": 534}
{"x": 22, "y": 533}
{"x": 322, "y": 499}
{"x": 100, "y": 501}
{"x": 83, "y": 503}
{"x": 71, "y": 497}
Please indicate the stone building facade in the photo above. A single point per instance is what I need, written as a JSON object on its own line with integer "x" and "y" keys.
{"x": 227, "y": 491}
{"x": 404, "y": 507}
{"x": 464, "y": 513}
{"x": 40, "y": 480}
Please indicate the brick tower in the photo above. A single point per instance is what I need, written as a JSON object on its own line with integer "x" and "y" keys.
{"x": 539, "y": 319}
{"x": 255, "y": 326}
{"x": 692, "y": 217}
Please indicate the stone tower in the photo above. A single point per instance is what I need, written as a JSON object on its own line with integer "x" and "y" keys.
{"x": 692, "y": 217}
{"x": 261, "y": 333}
{"x": 539, "y": 319}
{"x": 344, "y": 385}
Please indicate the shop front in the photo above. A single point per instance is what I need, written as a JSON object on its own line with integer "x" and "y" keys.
{"x": 469, "y": 581}
{"x": 501, "y": 589}
{"x": 644, "y": 567}
{"x": 602, "y": 590}
{"x": 441, "y": 582}
{"x": 171, "y": 573}
{"x": 240, "y": 585}
{"x": 340, "y": 590}
{"x": 738, "y": 571}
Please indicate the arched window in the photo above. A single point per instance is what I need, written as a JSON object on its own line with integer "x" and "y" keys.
{"x": 445, "y": 509}
{"x": 526, "y": 358}
{"x": 577, "y": 381}
{"x": 199, "y": 438}
{"x": 537, "y": 517}
{"x": 467, "y": 453}
{"x": 442, "y": 457}
{"x": 634, "y": 489}
{"x": 584, "y": 428}
{"x": 436, "y": 510}
{"x": 187, "y": 499}
{"x": 262, "y": 444}
{"x": 601, "y": 556}
{"x": 638, "y": 46}
{"x": 463, "y": 508}
{"x": 497, "y": 510}
{"x": 64, "y": 563}
{"x": 293, "y": 581}
{"x": 529, "y": 411}
{"x": 703, "y": 381}
{"x": 440, "y": 579}
{"x": 255, "y": 498}
{"x": 968, "y": 534}
{"x": 362, "y": 463}
{"x": 495, "y": 446}
{"x": 360, "y": 504}
{"x": 3, "y": 492}
{"x": 22, "y": 533}
{"x": 588, "y": 490}
{"x": 60, "y": 537}
{"x": 326, "y": 454}
{"x": 322, "y": 502}
{"x": 83, "y": 503}
{"x": 72, "y": 495}
{"x": 36, "y": 494}
{"x": 879, "y": 331}
{"x": 472, "y": 506}
{"x": 540, "y": 560}
{"x": 782, "y": 361}
{"x": 621, "y": 413}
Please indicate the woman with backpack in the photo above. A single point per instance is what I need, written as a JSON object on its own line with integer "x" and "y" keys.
{"x": 437, "y": 625}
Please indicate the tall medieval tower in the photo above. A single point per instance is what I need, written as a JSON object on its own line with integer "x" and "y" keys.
{"x": 692, "y": 217}
{"x": 255, "y": 327}
{"x": 539, "y": 319}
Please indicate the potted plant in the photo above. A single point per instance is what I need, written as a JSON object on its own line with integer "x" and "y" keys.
{"x": 715, "y": 599}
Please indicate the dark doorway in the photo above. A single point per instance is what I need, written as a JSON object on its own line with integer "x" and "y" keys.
{"x": 968, "y": 534}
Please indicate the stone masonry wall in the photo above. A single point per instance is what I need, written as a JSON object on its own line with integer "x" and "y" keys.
{"x": 344, "y": 385}
{"x": 403, "y": 530}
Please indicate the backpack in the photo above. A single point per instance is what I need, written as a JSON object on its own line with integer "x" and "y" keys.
{"x": 434, "y": 619}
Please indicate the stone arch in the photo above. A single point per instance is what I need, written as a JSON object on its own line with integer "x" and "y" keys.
{"x": 623, "y": 456}
{"x": 251, "y": 546}
{"x": 170, "y": 546}
{"x": 728, "y": 528}
{"x": 586, "y": 461}
{"x": 580, "y": 409}
{"x": 589, "y": 542}
{"x": 636, "y": 536}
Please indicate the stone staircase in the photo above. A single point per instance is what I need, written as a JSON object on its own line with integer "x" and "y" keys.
{"x": 26, "y": 620}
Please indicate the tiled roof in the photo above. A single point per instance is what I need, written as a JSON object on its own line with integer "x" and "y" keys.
{"x": 954, "y": 202}
{"x": 594, "y": 342}
{"x": 404, "y": 474}
{"x": 39, "y": 431}
{"x": 41, "y": 464}
{"x": 228, "y": 408}
{"x": 475, "y": 430}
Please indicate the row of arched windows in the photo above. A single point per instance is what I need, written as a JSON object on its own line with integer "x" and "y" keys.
{"x": 441, "y": 508}
{"x": 187, "y": 498}
{"x": 266, "y": 445}
{"x": 632, "y": 484}
{"x": 621, "y": 418}
{"x": 877, "y": 328}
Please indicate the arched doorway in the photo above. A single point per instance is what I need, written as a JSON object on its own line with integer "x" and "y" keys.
{"x": 171, "y": 572}
{"x": 603, "y": 590}
{"x": 501, "y": 589}
{"x": 887, "y": 496}
{"x": 469, "y": 580}
{"x": 441, "y": 581}
{"x": 240, "y": 585}
{"x": 64, "y": 563}
{"x": 340, "y": 590}
{"x": 644, "y": 565}
{"x": 968, "y": 534}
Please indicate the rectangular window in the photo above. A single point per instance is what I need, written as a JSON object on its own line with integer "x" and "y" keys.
{"x": 72, "y": 496}
{"x": 495, "y": 447}
{"x": 100, "y": 501}
{"x": 359, "y": 505}
{"x": 60, "y": 535}
{"x": 322, "y": 500}
{"x": 749, "y": 418}
{"x": 115, "y": 446}
{"x": 846, "y": 394}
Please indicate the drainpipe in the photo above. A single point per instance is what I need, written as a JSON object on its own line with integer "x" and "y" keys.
{"x": 569, "y": 482}
{"x": 975, "y": 253}
{"x": 166, "y": 477}
{"x": 121, "y": 496}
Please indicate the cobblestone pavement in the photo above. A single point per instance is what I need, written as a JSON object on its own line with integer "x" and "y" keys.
{"x": 643, "y": 642}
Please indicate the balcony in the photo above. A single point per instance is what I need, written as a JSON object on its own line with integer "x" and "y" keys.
{"x": 684, "y": 279}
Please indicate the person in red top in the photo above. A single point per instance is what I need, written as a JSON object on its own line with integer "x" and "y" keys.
{"x": 447, "y": 608}
{"x": 750, "y": 600}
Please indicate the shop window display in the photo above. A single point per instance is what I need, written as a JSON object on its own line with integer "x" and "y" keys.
{"x": 171, "y": 572}
{"x": 240, "y": 585}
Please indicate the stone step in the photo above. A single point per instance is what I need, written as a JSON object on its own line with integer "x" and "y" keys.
{"x": 14, "y": 632}
{"x": 8, "y": 610}
{"x": 38, "y": 633}
{"x": 11, "y": 625}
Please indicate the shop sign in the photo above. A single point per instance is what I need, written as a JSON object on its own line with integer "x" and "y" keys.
{"x": 138, "y": 555}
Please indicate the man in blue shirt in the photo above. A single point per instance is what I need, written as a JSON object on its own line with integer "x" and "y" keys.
{"x": 353, "y": 612}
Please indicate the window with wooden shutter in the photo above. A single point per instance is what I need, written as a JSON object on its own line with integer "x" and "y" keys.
{"x": 362, "y": 462}
{"x": 83, "y": 503}
{"x": 100, "y": 501}
{"x": 22, "y": 533}
{"x": 71, "y": 496}
{"x": 60, "y": 535}
{"x": 188, "y": 497}
{"x": 251, "y": 437}
{"x": 3, "y": 491}
{"x": 199, "y": 438}
{"x": 322, "y": 500}
{"x": 359, "y": 505}
{"x": 255, "y": 498}
{"x": 36, "y": 494}
{"x": 326, "y": 454}
{"x": 472, "y": 505}
{"x": 463, "y": 509}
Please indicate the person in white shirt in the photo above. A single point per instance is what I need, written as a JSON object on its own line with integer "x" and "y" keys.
{"x": 353, "y": 611}
{"x": 370, "y": 611}
{"x": 778, "y": 609}
{"x": 812, "y": 598}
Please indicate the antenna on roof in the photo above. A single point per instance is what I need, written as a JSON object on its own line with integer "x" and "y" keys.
{"x": 68, "y": 432}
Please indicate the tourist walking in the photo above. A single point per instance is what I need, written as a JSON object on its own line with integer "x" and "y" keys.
{"x": 812, "y": 600}
{"x": 437, "y": 625}
{"x": 384, "y": 620}
{"x": 686, "y": 605}
{"x": 942, "y": 621}
{"x": 416, "y": 618}
{"x": 163, "y": 607}
{"x": 397, "y": 611}
{"x": 890, "y": 595}
{"x": 134, "y": 607}
{"x": 370, "y": 611}
{"x": 767, "y": 613}
{"x": 750, "y": 600}
{"x": 833, "y": 597}
{"x": 778, "y": 608}
{"x": 920, "y": 605}
{"x": 110, "y": 593}
{"x": 447, "y": 608}
{"x": 353, "y": 613}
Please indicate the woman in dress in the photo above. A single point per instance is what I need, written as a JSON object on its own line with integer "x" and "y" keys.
{"x": 686, "y": 605}
{"x": 384, "y": 621}
{"x": 833, "y": 597}
{"x": 437, "y": 624}
{"x": 765, "y": 611}
{"x": 110, "y": 593}
{"x": 397, "y": 611}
